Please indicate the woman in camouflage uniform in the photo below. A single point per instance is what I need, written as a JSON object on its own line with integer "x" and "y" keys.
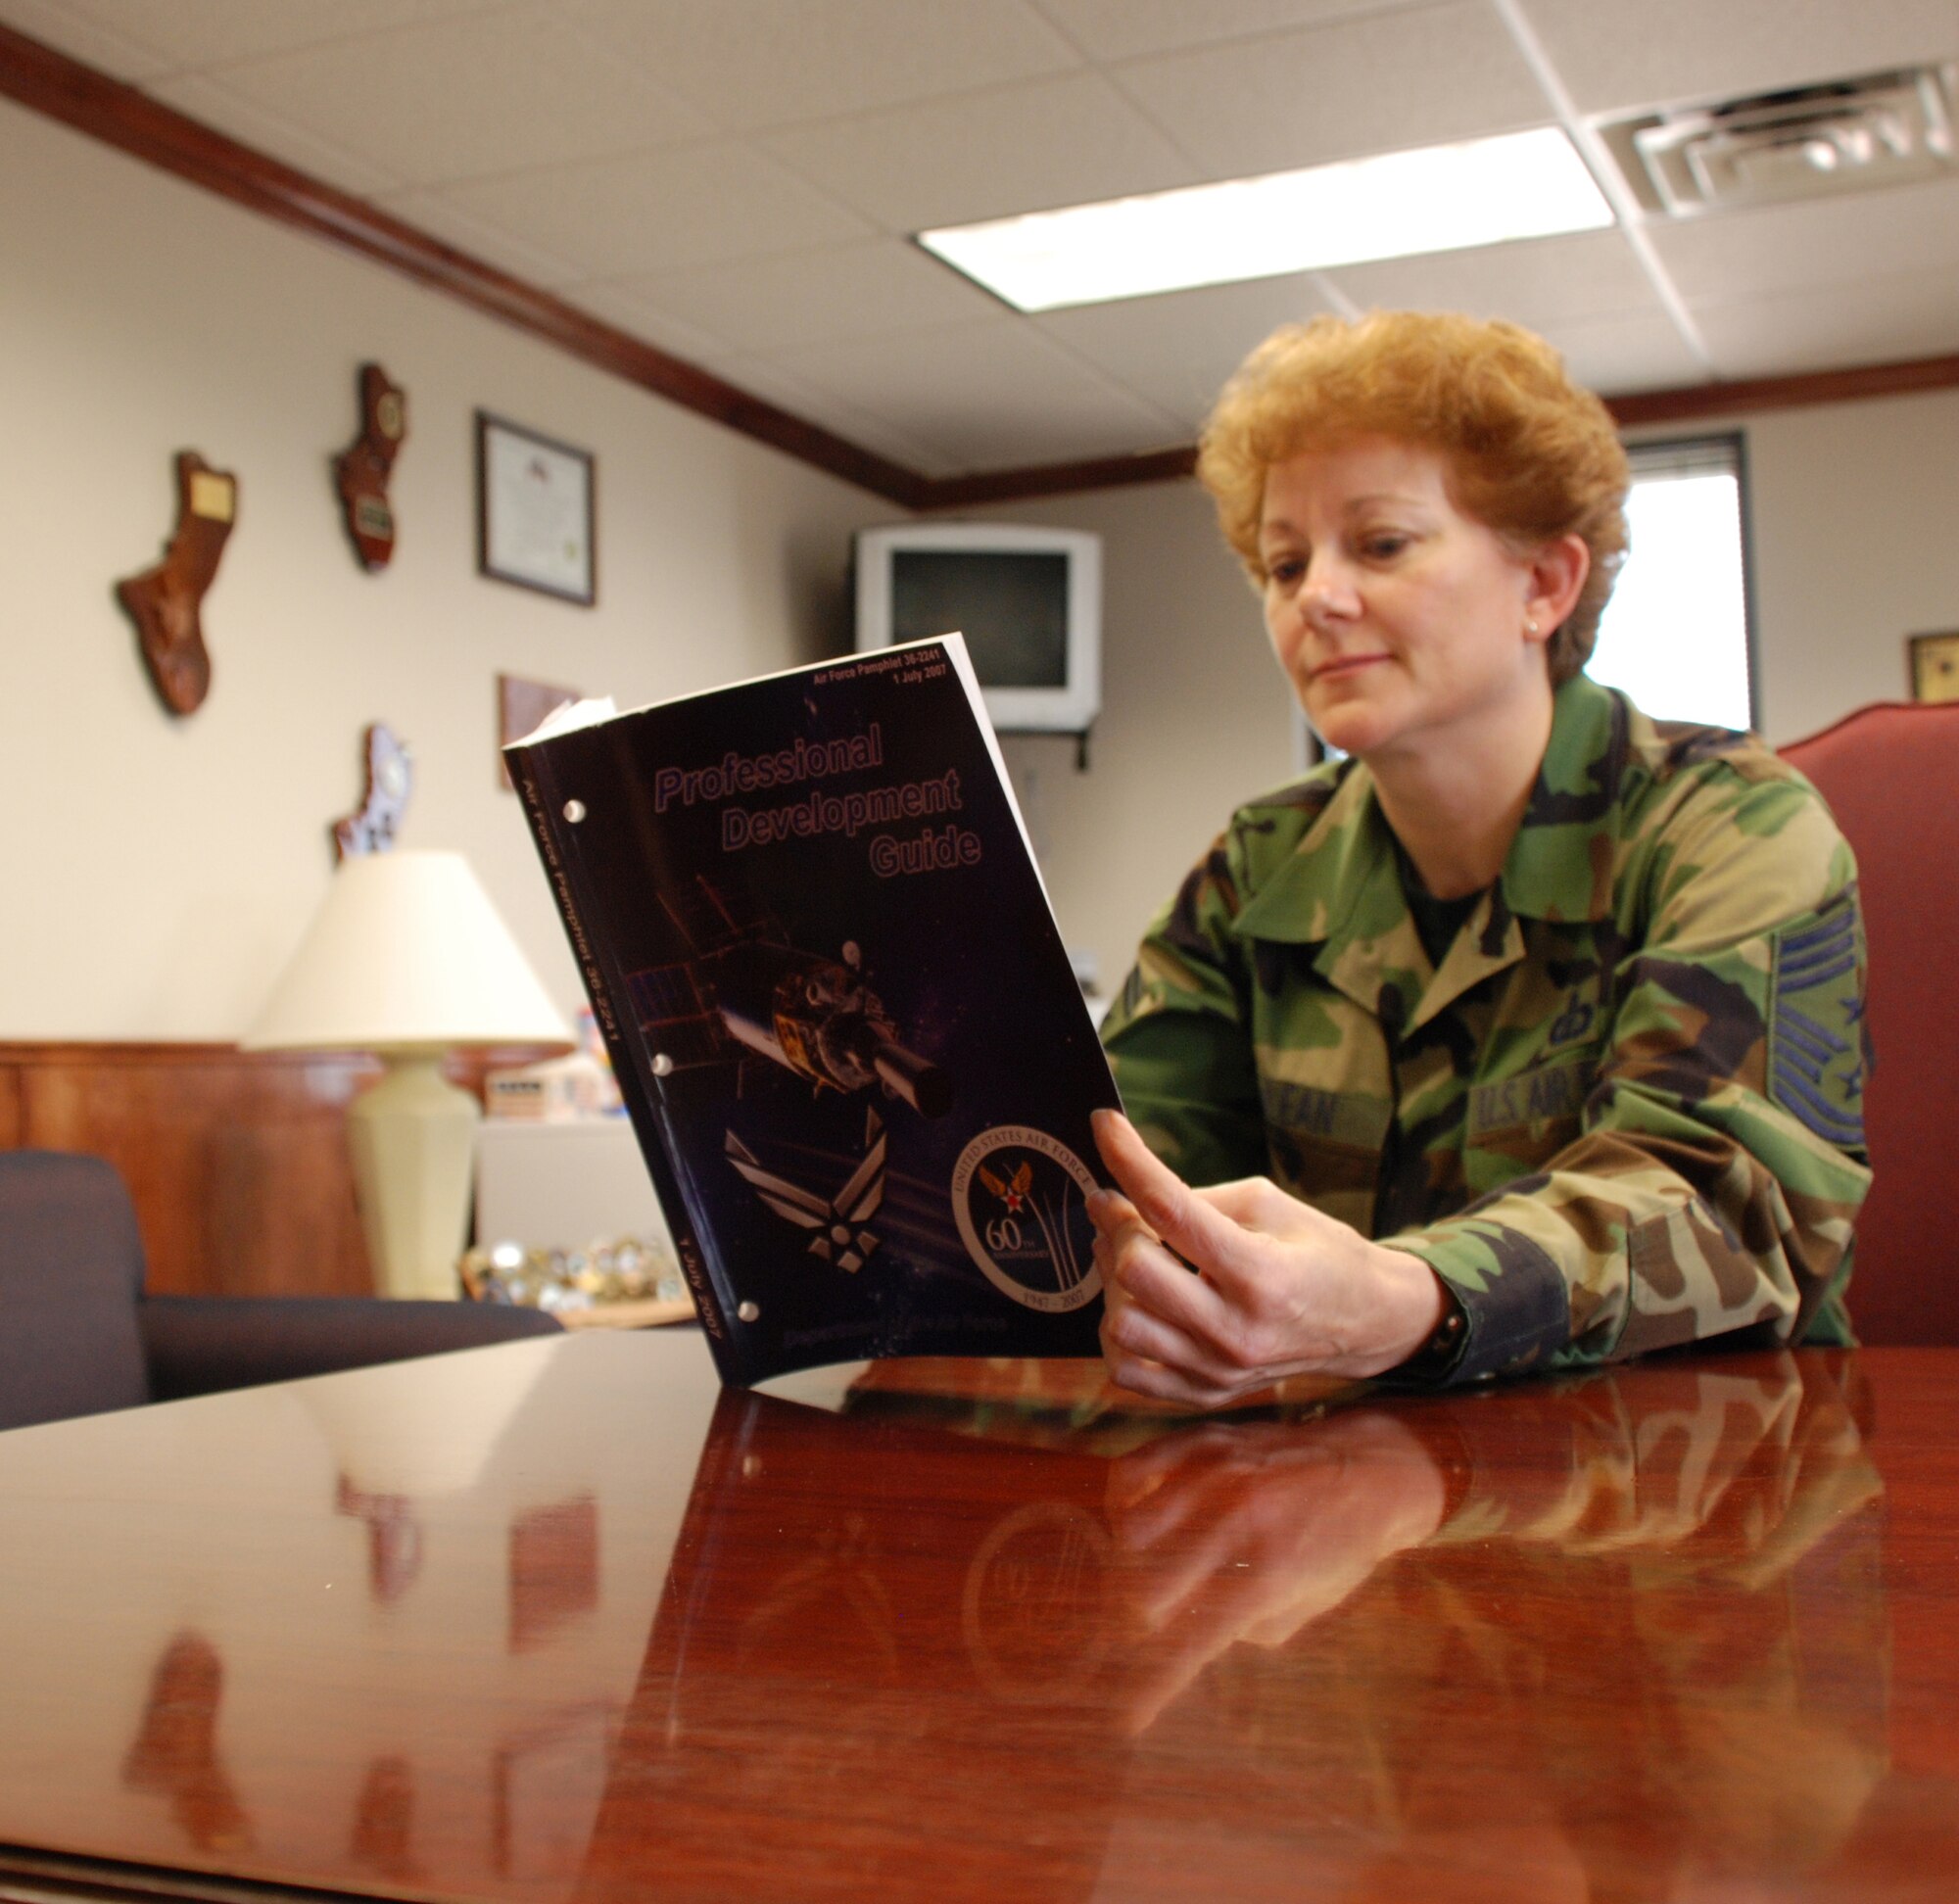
{"x": 1528, "y": 1034}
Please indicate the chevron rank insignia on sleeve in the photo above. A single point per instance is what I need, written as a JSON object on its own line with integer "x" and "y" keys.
{"x": 1816, "y": 1027}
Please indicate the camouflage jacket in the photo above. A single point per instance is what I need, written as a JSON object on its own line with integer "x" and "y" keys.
{"x": 1626, "y": 1112}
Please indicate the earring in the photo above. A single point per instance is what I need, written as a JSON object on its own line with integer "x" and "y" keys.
{"x": 1530, "y": 626}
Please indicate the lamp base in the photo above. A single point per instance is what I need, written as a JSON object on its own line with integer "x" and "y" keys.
{"x": 412, "y": 1138}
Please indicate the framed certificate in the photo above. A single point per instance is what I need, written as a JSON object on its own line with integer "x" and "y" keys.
{"x": 535, "y": 511}
{"x": 1935, "y": 667}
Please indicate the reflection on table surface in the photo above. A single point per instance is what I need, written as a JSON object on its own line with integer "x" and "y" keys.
{"x": 561, "y": 1620}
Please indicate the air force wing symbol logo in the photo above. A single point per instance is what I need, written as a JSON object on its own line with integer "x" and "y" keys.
{"x": 1011, "y": 1191}
{"x": 839, "y": 1220}
{"x": 1816, "y": 1026}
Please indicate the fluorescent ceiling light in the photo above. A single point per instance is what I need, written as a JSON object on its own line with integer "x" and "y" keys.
{"x": 1400, "y": 204}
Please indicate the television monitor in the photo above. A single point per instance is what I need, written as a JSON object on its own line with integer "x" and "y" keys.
{"x": 1028, "y": 600}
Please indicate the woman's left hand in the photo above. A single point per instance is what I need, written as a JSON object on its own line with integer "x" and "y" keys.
{"x": 1282, "y": 1288}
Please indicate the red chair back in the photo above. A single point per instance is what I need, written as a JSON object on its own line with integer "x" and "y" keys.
{"x": 1890, "y": 773}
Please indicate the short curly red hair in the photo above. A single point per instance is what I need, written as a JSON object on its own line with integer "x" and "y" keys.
{"x": 1531, "y": 454}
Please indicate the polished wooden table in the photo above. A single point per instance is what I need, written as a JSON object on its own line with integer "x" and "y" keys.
{"x": 562, "y": 1621}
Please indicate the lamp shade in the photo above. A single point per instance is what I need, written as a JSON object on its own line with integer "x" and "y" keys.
{"x": 407, "y": 952}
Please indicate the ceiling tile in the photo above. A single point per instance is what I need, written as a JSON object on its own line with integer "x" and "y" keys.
{"x": 1536, "y": 282}
{"x": 67, "y": 30}
{"x": 210, "y": 102}
{"x": 775, "y": 385}
{"x": 757, "y": 376}
{"x": 1618, "y": 58}
{"x": 1832, "y": 241}
{"x": 208, "y": 33}
{"x": 1176, "y": 350}
{"x": 1881, "y": 321}
{"x": 1377, "y": 84}
{"x": 618, "y": 217}
{"x": 984, "y": 154}
{"x": 751, "y": 375}
{"x": 754, "y": 63}
{"x": 859, "y": 290}
{"x": 481, "y": 239}
{"x": 979, "y": 395}
{"x": 1619, "y": 355}
{"x": 1120, "y": 30}
{"x": 614, "y": 304}
{"x": 490, "y": 93}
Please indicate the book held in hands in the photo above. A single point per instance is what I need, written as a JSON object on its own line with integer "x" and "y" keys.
{"x": 838, "y": 1008}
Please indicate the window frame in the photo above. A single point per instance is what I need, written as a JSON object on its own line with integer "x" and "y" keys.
{"x": 1727, "y": 448}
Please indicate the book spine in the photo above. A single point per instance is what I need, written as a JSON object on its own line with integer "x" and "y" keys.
{"x": 544, "y": 809}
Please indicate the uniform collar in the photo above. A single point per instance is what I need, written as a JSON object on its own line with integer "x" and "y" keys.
{"x": 1340, "y": 889}
{"x": 1559, "y": 865}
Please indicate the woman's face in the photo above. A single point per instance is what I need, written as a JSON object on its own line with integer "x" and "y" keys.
{"x": 1400, "y": 622}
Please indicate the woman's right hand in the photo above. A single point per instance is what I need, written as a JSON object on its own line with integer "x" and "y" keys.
{"x": 1280, "y": 1288}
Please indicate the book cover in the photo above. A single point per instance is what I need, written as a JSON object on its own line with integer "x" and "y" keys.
{"x": 841, "y": 1013}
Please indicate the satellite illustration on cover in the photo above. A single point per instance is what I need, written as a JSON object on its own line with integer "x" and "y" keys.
{"x": 840, "y": 1009}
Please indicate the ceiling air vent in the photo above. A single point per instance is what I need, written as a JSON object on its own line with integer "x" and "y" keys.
{"x": 1887, "y": 128}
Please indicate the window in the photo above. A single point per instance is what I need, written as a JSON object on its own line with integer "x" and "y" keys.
{"x": 1675, "y": 634}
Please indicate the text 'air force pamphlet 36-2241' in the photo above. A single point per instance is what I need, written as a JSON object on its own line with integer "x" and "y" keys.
{"x": 840, "y": 1009}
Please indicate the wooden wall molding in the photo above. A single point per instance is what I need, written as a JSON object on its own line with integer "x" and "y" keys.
{"x": 1172, "y": 465}
{"x": 1690, "y": 403}
{"x": 121, "y": 116}
{"x": 1699, "y": 402}
{"x": 237, "y": 1161}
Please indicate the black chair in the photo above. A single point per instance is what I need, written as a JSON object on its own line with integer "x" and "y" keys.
{"x": 78, "y": 1336}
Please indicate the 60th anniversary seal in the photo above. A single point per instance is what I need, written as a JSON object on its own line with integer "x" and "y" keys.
{"x": 1019, "y": 1199}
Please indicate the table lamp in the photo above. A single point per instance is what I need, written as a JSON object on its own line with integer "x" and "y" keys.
{"x": 407, "y": 959}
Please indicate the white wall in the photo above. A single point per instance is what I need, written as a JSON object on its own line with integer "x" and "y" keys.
{"x": 1856, "y": 546}
{"x": 154, "y": 871}
{"x": 1195, "y": 717}
{"x": 1855, "y": 528}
